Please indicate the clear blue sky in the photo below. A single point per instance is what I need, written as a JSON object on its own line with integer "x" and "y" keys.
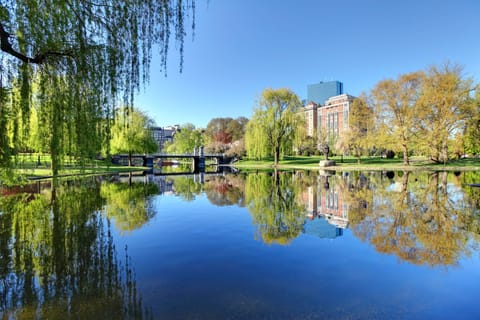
{"x": 244, "y": 46}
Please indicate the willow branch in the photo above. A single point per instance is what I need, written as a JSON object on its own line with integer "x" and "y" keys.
{"x": 39, "y": 58}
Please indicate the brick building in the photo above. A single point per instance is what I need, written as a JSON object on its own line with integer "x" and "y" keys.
{"x": 329, "y": 119}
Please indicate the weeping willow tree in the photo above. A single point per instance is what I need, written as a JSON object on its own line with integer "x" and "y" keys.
{"x": 85, "y": 57}
{"x": 272, "y": 129}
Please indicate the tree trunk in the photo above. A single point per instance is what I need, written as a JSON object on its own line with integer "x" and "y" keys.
{"x": 276, "y": 155}
{"x": 406, "y": 160}
{"x": 129, "y": 159}
{"x": 444, "y": 151}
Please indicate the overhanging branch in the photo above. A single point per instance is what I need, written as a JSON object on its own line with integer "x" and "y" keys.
{"x": 39, "y": 58}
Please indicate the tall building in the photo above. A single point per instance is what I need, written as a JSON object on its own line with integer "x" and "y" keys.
{"x": 320, "y": 92}
{"x": 329, "y": 119}
{"x": 332, "y": 118}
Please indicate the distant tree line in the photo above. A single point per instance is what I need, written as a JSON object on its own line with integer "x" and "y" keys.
{"x": 222, "y": 135}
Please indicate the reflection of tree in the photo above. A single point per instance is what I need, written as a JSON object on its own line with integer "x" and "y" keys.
{"x": 129, "y": 205}
{"x": 358, "y": 196}
{"x": 271, "y": 200}
{"x": 473, "y": 193}
{"x": 58, "y": 260}
{"x": 418, "y": 221}
{"x": 186, "y": 188}
{"x": 226, "y": 190}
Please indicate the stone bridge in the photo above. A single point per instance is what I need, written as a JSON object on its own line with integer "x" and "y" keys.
{"x": 197, "y": 157}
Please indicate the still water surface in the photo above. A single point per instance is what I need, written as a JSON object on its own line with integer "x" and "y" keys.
{"x": 292, "y": 245}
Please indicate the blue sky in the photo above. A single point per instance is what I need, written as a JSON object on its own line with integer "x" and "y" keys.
{"x": 244, "y": 46}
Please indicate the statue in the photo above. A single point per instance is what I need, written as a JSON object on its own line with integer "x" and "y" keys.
{"x": 326, "y": 163}
{"x": 326, "y": 150}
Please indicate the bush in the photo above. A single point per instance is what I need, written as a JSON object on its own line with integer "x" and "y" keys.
{"x": 390, "y": 154}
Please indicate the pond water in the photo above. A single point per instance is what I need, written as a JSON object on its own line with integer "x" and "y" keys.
{"x": 258, "y": 245}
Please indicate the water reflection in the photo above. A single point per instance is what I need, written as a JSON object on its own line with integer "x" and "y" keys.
{"x": 422, "y": 218}
{"x": 129, "y": 205}
{"x": 58, "y": 259}
{"x": 272, "y": 202}
{"x": 425, "y": 219}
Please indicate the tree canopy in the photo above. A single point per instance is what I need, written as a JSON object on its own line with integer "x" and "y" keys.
{"x": 132, "y": 133}
{"x": 225, "y": 134}
{"x": 396, "y": 110}
{"x": 445, "y": 106}
{"x": 357, "y": 137}
{"x": 87, "y": 57}
{"x": 185, "y": 140}
{"x": 272, "y": 128}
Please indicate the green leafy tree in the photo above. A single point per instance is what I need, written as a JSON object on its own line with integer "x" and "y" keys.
{"x": 273, "y": 126}
{"x": 131, "y": 134}
{"x": 87, "y": 56}
{"x": 358, "y": 136}
{"x": 185, "y": 140}
{"x": 445, "y": 105}
{"x": 396, "y": 103}
{"x": 472, "y": 127}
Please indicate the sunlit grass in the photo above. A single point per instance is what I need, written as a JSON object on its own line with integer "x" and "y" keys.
{"x": 37, "y": 166}
{"x": 366, "y": 163}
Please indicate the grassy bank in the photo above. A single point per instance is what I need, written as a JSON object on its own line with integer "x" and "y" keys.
{"x": 33, "y": 166}
{"x": 350, "y": 163}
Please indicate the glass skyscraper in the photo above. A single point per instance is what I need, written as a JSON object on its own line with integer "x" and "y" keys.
{"x": 320, "y": 92}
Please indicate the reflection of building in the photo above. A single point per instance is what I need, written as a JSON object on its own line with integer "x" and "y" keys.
{"x": 164, "y": 184}
{"x": 332, "y": 206}
{"x": 164, "y": 134}
{"x": 326, "y": 211}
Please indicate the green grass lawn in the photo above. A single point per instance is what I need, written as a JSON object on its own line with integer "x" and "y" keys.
{"x": 35, "y": 166}
{"x": 373, "y": 163}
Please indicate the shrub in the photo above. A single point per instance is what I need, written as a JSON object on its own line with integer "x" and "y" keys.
{"x": 390, "y": 154}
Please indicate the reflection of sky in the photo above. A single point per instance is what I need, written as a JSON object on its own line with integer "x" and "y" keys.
{"x": 321, "y": 228}
{"x": 455, "y": 193}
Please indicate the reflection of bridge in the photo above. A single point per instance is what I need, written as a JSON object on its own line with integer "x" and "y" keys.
{"x": 197, "y": 158}
{"x": 163, "y": 181}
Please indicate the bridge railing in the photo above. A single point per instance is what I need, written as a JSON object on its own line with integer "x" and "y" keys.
{"x": 186, "y": 155}
{"x": 171, "y": 155}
